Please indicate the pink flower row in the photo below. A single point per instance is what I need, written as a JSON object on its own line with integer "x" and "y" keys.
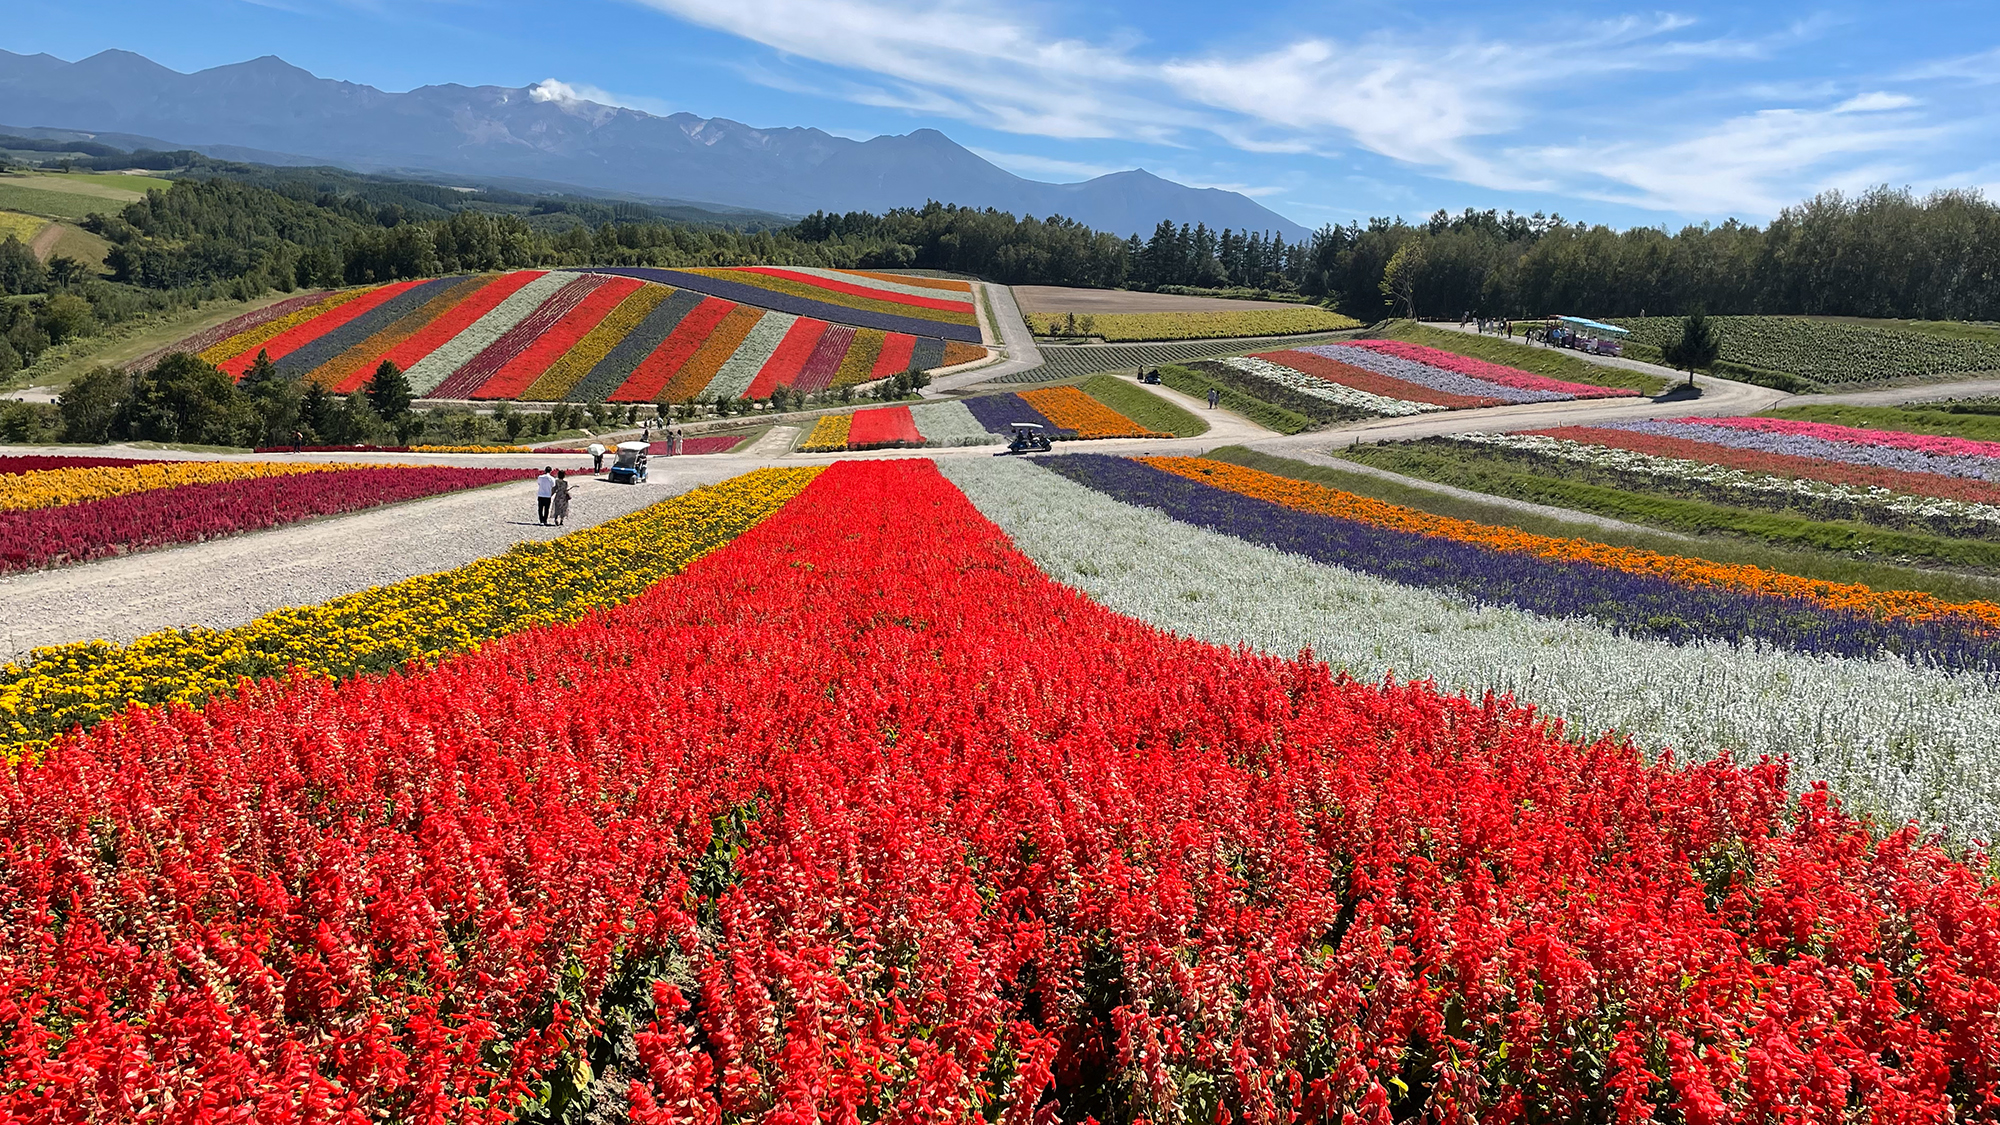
{"x": 1491, "y": 372}
{"x": 1923, "y": 443}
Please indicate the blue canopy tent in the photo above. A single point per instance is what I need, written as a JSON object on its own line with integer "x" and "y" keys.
{"x": 1594, "y": 325}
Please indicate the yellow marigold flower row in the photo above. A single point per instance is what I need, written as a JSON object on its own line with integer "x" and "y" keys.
{"x": 1125, "y": 327}
{"x": 50, "y": 488}
{"x": 472, "y": 449}
{"x": 422, "y": 618}
{"x": 829, "y": 434}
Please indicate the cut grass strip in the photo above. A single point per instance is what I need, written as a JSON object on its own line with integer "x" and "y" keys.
{"x": 1144, "y": 407}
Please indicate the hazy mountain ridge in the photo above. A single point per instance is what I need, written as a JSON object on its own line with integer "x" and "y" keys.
{"x": 268, "y": 104}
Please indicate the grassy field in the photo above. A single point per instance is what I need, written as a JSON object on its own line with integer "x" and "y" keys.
{"x": 1915, "y": 418}
{"x": 1480, "y": 471}
{"x": 103, "y": 185}
{"x": 1268, "y": 415}
{"x": 85, "y": 247}
{"x": 1820, "y": 565}
{"x": 1826, "y": 352}
{"x": 1551, "y": 362}
{"x": 60, "y": 365}
{"x": 52, "y": 204}
{"x": 1118, "y": 328}
{"x": 1143, "y": 406}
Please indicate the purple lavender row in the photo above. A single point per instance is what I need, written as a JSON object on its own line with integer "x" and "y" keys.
{"x": 1636, "y": 605}
{"x": 1436, "y": 378}
{"x": 998, "y": 413}
{"x": 1799, "y": 445}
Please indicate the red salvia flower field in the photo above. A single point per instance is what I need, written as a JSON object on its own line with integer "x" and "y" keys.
{"x": 864, "y": 818}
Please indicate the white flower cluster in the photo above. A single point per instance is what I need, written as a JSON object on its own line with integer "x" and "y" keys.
{"x": 741, "y": 368}
{"x": 1338, "y": 393}
{"x": 1894, "y": 740}
{"x": 949, "y": 424}
{"x": 1676, "y": 468}
{"x": 435, "y": 368}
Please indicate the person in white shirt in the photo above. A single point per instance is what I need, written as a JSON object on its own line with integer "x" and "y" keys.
{"x": 545, "y": 491}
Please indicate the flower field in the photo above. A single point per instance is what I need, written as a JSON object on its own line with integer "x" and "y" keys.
{"x": 1832, "y": 353}
{"x": 69, "y": 514}
{"x": 1943, "y": 485}
{"x": 1196, "y": 325}
{"x": 372, "y": 631}
{"x": 560, "y": 336}
{"x": 875, "y": 814}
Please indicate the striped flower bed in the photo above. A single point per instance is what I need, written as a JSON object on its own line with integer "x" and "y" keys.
{"x": 945, "y": 424}
{"x": 1081, "y": 416}
{"x": 788, "y": 296}
{"x": 829, "y": 434}
{"x": 884, "y": 427}
{"x": 1339, "y": 394}
{"x": 569, "y": 336}
{"x": 1484, "y": 370}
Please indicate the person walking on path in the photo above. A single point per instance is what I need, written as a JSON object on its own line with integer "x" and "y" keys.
{"x": 1214, "y": 396}
{"x": 545, "y": 492}
{"x": 559, "y": 509}
{"x": 298, "y": 440}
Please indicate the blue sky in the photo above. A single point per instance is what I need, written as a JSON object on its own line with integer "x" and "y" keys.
{"x": 1323, "y": 111}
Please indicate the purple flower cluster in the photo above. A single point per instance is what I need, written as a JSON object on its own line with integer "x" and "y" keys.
{"x": 1436, "y": 378}
{"x": 1632, "y": 604}
{"x": 799, "y": 306}
{"x": 1800, "y": 445}
{"x": 998, "y": 413}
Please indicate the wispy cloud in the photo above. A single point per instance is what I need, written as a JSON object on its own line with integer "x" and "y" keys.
{"x": 1441, "y": 102}
{"x": 1028, "y": 164}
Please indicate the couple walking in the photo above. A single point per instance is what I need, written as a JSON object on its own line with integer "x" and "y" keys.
{"x": 552, "y": 495}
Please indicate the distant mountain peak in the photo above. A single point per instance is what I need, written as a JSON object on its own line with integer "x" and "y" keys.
{"x": 551, "y": 132}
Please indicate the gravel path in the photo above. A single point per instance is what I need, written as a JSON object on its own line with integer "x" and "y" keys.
{"x": 228, "y": 582}
{"x": 1225, "y": 427}
{"x": 1017, "y": 344}
{"x": 776, "y": 442}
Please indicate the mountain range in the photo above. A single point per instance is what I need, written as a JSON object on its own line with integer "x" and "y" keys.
{"x": 269, "y": 110}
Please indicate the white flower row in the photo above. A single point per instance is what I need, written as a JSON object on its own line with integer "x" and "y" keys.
{"x": 740, "y": 369}
{"x": 950, "y": 423}
{"x": 435, "y": 368}
{"x": 1676, "y": 468}
{"x": 1894, "y": 740}
{"x": 1338, "y": 393}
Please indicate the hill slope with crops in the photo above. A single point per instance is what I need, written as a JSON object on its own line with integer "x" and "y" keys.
{"x": 608, "y": 335}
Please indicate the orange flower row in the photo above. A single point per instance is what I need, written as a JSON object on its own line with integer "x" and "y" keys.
{"x": 1300, "y": 495}
{"x": 1071, "y": 409}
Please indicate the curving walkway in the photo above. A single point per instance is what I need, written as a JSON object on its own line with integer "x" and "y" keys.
{"x": 1017, "y": 345}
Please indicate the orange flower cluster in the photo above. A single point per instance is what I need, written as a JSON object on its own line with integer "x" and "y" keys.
{"x": 1907, "y": 604}
{"x": 1071, "y": 409}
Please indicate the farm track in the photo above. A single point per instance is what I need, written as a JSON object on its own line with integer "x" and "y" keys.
{"x": 305, "y": 563}
{"x": 45, "y": 240}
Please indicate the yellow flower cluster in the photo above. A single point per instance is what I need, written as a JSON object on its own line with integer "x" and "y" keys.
{"x": 472, "y": 449}
{"x": 829, "y": 434}
{"x": 251, "y": 337}
{"x": 49, "y": 488}
{"x": 1119, "y": 327}
{"x": 422, "y": 618}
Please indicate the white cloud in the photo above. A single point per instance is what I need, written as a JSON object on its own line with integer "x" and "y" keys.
{"x": 1754, "y": 164}
{"x": 577, "y": 94}
{"x": 1446, "y": 103}
{"x": 1061, "y": 171}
